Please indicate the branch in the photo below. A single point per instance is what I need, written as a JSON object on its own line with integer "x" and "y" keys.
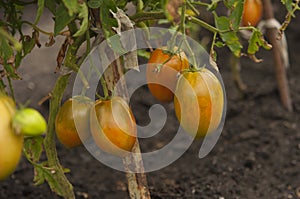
{"x": 143, "y": 16}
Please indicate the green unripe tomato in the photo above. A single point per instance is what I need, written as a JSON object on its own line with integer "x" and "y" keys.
{"x": 29, "y": 122}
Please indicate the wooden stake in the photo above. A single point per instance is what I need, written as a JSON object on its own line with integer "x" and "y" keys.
{"x": 280, "y": 71}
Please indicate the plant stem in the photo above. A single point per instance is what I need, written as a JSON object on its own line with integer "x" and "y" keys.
{"x": 37, "y": 28}
{"x": 182, "y": 18}
{"x": 203, "y": 24}
{"x": 289, "y": 16}
{"x": 212, "y": 51}
{"x": 192, "y": 7}
{"x": 143, "y": 16}
{"x": 182, "y": 27}
{"x": 49, "y": 142}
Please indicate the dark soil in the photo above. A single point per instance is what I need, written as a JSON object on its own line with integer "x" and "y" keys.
{"x": 257, "y": 155}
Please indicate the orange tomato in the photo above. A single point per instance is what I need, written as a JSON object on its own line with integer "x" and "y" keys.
{"x": 73, "y": 117}
{"x": 199, "y": 102}
{"x": 10, "y": 144}
{"x": 252, "y": 12}
{"x": 167, "y": 75}
{"x": 113, "y": 126}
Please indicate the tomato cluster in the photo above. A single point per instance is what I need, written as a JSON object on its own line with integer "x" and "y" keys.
{"x": 110, "y": 122}
{"x": 199, "y": 104}
{"x": 199, "y": 97}
{"x": 14, "y": 125}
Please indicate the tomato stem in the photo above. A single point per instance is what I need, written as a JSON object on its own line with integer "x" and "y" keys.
{"x": 203, "y": 24}
{"x": 49, "y": 141}
{"x": 212, "y": 51}
{"x": 182, "y": 28}
{"x": 192, "y": 7}
{"x": 104, "y": 86}
{"x": 55, "y": 100}
{"x": 182, "y": 18}
{"x": 289, "y": 16}
{"x": 144, "y": 16}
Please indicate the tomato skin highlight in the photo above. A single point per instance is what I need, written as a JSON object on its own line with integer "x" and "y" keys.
{"x": 252, "y": 12}
{"x": 73, "y": 118}
{"x": 113, "y": 126}
{"x": 199, "y": 102}
{"x": 167, "y": 75}
{"x": 11, "y": 144}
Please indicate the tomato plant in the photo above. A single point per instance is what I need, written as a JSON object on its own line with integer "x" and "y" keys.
{"x": 113, "y": 126}
{"x": 83, "y": 24}
{"x": 162, "y": 69}
{"x": 10, "y": 143}
{"x": 199, "y": 95}
{"x": 72, "y": 119}
{"x": 252, "y": 12}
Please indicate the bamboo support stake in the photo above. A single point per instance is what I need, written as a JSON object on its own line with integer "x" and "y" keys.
{"x": 280, "y": 71}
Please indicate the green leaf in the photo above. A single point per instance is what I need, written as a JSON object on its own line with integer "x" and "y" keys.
{"x": 6, "y": 50}
{"x": 33, "y": 147}
{"x": 228, "y": 36}
{"x": 219, "y": 44}
{"x": 18, "y": 59}
{"x": 2, "y": 85}
{"x": 106, "y": 16}
{"x": 62, "y": 19}
{"x": 115, "y": 43}
{"x": 256, "y": 41}
{"x": 6, "y": 53}
{"x": 42, "y": 173}
{"x": 288, "y": 4}
{"x": 84, "y": 15}
{"x": 235, "y": 16}
{"x": 143, "y": 53}
{"x": 94, "y": 3}
{"x": 28, "y": 44}
{"x": 50, "y": 4}
{"x": 38, "y": 178}
{"x": 72, "y": 6}
{"x": 41, "y": 4}
{"x": 121, "y": 4}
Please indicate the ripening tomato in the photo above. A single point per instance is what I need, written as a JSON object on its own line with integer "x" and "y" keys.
{"x": 113, "y": 126}
{"x": 199, "y": 102}
{"x": 73, "y": 119}
{"x": 162, "y": 83}
{"x": 11, "y": 144}
{"x": 252, "y": 12}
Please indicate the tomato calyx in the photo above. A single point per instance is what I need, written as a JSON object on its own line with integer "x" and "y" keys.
{"x": 193, "y": 69}
{"x": 177, "y": 52}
